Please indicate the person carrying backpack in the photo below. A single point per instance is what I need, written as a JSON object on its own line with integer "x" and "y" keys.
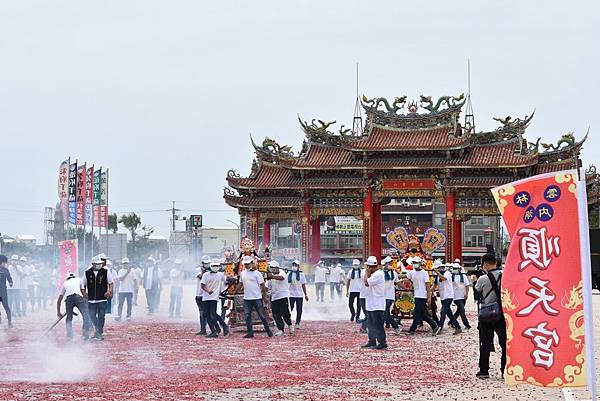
{"x": 490, "y": 316}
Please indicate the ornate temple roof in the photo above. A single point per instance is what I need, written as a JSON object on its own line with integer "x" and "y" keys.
{"x": 270, "y": 176}
{"x": 382, "y": 138}
{"x": 398, "y": 137}
{"x": 319, "y": 156}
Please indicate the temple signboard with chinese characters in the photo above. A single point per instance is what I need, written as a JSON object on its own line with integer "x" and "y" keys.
{"x": 544, "y": 282}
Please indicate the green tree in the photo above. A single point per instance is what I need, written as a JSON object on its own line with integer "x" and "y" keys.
{"x": 131, "y": 222}
{"x": 112, "y": 223}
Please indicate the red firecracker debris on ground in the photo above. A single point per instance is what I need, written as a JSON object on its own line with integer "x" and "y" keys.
{"x": 158, "y": 360}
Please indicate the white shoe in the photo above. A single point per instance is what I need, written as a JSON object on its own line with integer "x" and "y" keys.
{"x": 279, "y": 333}
{"x": 297, "y": 326}
{"x": 292, "y": 330}
{"x": 397, "y": 331}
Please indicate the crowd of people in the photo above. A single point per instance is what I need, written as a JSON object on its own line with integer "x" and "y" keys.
{"x": 25, "y": 286}
{"x": 370, "y": 287}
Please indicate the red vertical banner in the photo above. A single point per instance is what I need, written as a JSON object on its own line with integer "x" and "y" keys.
{"x": 80, "y": 208}
{"x": 67, "y": 260}
{"x": 542, "y": 284}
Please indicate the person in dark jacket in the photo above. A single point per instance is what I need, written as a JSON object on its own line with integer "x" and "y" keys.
{"x": 5, "y": 278}
{"x": 488, "y": 287}
{"x": 98, "y": 282}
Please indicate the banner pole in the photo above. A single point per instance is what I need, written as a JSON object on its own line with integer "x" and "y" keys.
{"x": 586, "y": 269}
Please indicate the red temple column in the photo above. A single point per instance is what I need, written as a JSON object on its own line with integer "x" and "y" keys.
{"x": 305, "y": 238}
{"x": 254, "y": 227}
{"x": 450, "y": 201}
{"x": 316, "y": 241}
{"x": 457, "y": 239}
{"x": 266, "y": 233}
{"x": 367, "y": 227}
{"x": 376, "y": 231}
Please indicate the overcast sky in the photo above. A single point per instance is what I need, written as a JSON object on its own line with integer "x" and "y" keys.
{"x": 165, "y": 93}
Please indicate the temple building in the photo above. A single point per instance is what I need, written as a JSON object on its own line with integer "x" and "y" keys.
{"x": 413, "y": 165}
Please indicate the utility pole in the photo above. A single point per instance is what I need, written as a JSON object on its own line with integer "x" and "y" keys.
{"x": 173, "y": 210}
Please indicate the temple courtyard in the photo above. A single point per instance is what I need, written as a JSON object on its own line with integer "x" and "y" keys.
{"x": 161, "y": 359}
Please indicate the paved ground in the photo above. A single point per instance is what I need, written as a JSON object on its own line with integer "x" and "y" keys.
{"x": 161, "y": 359}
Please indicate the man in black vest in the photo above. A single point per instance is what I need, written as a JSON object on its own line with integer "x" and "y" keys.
{"x": 99, "y": 285}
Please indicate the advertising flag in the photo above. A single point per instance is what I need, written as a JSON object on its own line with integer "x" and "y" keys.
{"x": 80, "y": 208}
{"x": 89, "y": 194}
{"x": 63, "y": 187}
{"x": 544, "y": 282}
{"x": 67, "y": 262}
{"x": 96, "y": 200}
{"x": 72, "y": 193}
{"x": 63, "y": 180}
{"x": 103, "y": 222}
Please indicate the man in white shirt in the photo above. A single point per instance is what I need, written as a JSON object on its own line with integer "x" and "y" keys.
{"x": 128, "y": 279}
{"x": 152, "y": 284}
{"x": 446, "y": 290}
{"x": 203, "y": 268}
{"x": 375, "y": 304}
{"x": 99, "y": 286}
{"x": 28, "y": 284}
{"x": 177, "y": 276}
{"x": 15, "y": 293}
{"x": 336, "y": 275}
{"x": 354, "y": 284}
{"x": 391, "y": 278}
{"x": 73, "y": 291}
{"x": 138, "y": 275}
{"x": 254, "y": 291}
{"x": 212, "y": 283}
{"x": 298, "y": 294}
{"x": 422, "y": 292}
{"x": 280, "y": 292}
{"x": 461, "y": 283}
{"x": 320, "y": 279}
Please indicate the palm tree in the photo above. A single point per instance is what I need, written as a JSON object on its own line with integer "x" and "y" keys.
{"x": 112, "y": 223}
{"x": 131, "y": 222}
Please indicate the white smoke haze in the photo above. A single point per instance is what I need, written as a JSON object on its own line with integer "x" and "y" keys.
{"x": 31, "y": 356}
{"x": 45, "y": 360}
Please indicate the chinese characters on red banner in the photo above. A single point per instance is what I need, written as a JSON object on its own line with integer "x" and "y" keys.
{"x": 67, "y": 259}
{"x": 542, "y": 281}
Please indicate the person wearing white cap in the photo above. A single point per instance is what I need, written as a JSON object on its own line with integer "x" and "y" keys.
{"x": 127, "y": 282}
{"x": 320, "y": 280}
{"x": 99, "y": 286}
{"x": 446, "y": 290}
{"x": 297, "y": 281}
{"x": 212, "y": 283}
{"x": 254, "y": 291}
{"x": 177, "y": 276}
{"x": 152, "y": 285}
{"x": 28, "y": 294}
{"x": 391, "y": 278}
{"x": 15, "y": 293}
{"x": 461, "y": 284}
{"x": 74, "y": 294}
{"x": 375, "y": 304}
{"x": 354, "y": 285}
{"x": 336, "y": 276}
{"x": 422, "y": 294}
{"x": 280, "y": 292}
{"x": 200, "y": 271}
{"x": 114, "y": 272}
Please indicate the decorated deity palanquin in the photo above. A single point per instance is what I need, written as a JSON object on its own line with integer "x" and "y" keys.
{"x": 406, "y": 150}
